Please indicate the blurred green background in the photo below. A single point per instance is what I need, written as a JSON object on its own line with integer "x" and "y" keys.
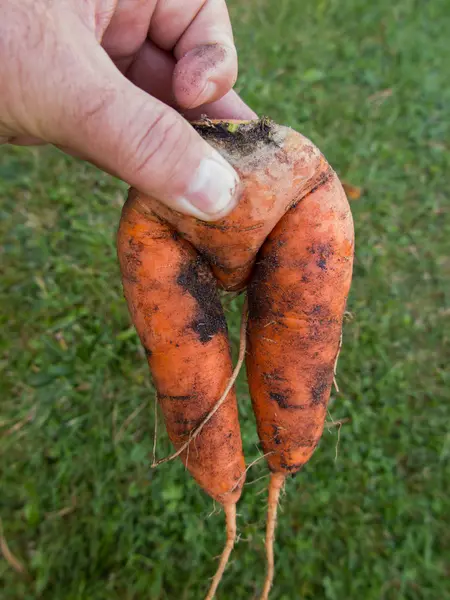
{"x": 368, "y": 518}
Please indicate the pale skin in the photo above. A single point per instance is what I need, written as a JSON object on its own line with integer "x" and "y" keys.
{"x": 114, "y": 82}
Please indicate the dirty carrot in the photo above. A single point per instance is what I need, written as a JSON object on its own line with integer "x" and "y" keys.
{"x": 175, "y": 307}
{"x": 297, "y": 299}
{"x": 289, "y": 242}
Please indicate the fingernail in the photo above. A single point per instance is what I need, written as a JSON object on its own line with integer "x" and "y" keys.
{"x": 213, "y": 188}
{"x": 209, "y": 93}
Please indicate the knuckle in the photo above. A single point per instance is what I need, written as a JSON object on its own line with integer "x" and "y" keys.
{"x": 158, "y": 146}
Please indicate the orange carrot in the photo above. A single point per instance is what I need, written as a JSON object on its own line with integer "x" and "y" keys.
{"x": 297, "y": 299}
{"x": 175, "y": 307}
{"x": 290, "y": 242}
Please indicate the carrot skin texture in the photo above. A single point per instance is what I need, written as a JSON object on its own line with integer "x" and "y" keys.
{"x": 297, "y": 298}
{"x": 290, "y": 242}
{"x": 174, "y": 304}
{"x": 276, "y": 167}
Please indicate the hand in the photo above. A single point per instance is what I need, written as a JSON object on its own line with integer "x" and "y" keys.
{"x": 104, "y": 79}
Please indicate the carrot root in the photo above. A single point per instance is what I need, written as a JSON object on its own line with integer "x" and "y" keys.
{"x": 290, "y": 244}
{"x": 230, "y": 516}
{"x": 9, "y": 556}
{"x": 223, "y": 397}
{"x": 275, "y": 486}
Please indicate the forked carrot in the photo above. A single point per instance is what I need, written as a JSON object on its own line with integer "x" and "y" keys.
{"x": 290, "y": 243}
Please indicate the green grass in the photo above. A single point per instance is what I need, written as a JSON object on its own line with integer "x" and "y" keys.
{"x": 368, "y": 83}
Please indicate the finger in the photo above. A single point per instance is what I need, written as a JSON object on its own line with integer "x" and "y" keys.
{"x": 204, "y": 74}
{"x": 142, "y": 141}
{"x": 127, "y": 30}
{"x": 199, "y": 31}
{"x": 152, "y": 70}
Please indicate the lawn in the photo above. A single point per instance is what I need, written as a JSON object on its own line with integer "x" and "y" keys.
{"x": 369, "y": 517}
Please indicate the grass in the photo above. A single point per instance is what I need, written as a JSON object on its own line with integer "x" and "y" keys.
{"x": 368, "y": 83}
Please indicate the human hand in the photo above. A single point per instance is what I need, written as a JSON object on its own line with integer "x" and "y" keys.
{"x": 103, "y": 79}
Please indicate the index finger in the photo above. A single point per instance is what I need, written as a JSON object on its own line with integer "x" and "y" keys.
{"x": 200, "y": 36}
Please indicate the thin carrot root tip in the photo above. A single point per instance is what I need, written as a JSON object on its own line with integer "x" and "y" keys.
{"x": 275, "y": 486}
{"x": 230, "y": 516}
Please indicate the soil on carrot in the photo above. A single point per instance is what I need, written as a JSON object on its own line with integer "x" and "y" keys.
{"x": 260, "y": 304}
{"x": 198, "y": 281}
{"x": 241, "y": 139}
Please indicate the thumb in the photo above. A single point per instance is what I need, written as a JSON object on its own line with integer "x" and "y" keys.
{"x": 130, "y": 134}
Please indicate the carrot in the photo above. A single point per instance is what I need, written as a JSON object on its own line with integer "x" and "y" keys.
{"x": 297, "y": 300}
{"x": 290, "y": 243}
{"x": 175, "y": 307}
